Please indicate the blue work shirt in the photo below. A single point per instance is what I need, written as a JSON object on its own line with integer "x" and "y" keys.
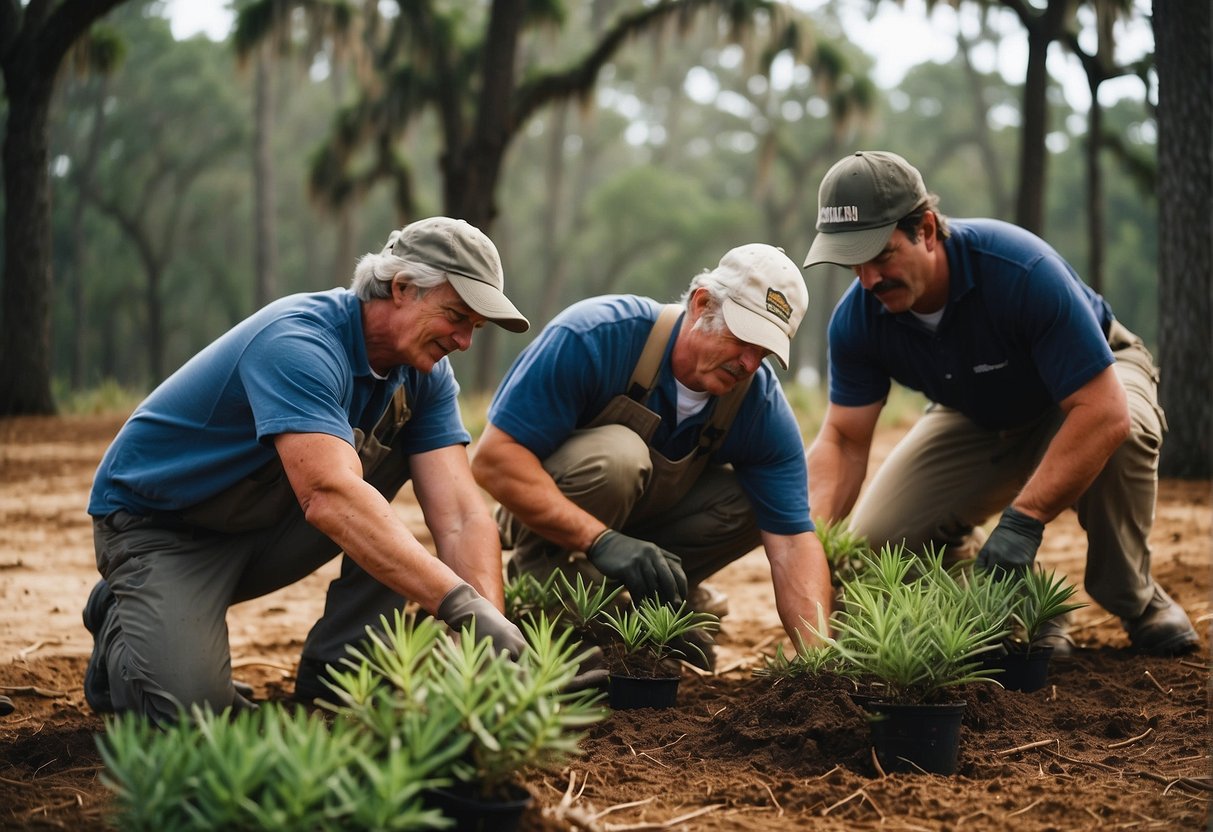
{"x": 297, "y": 366}
{"x": 1020, "y": 333}
{"x": 585, "y": 357}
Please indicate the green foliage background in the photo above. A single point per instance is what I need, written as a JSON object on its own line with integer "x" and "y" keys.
{"x": 686, "y": 149}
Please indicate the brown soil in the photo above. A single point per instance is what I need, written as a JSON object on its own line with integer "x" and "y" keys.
{"x": 1127, "y": 736}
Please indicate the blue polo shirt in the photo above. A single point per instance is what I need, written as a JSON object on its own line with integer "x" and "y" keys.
{"x": 297, "y": 366}
{"x": 1020, "y": 333}
{"x": 585, "y": 357}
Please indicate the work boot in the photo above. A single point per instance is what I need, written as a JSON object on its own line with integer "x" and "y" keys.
{"x": 1163, "y": 628}
{"x": 707, "y": 598}
{"x": 96, "y": 676}
{"x": 1055, "y": 633}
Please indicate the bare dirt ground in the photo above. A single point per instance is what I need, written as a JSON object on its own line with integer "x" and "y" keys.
{"x": 1115, "y": 741}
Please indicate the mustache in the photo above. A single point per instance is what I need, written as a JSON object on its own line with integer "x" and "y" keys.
{"x": 885, "y": 286}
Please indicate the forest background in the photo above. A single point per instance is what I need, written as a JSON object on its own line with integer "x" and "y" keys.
{"x": 606, "y": 146}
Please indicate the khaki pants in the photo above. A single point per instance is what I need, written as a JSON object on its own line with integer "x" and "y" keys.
{"x": 948, "y": 476}
{"x": 605, "y": 471}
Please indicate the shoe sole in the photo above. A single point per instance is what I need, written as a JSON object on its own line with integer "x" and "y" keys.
{"x": 1174, "y": 646}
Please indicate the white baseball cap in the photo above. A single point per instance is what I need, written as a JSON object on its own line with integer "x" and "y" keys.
{"x": 767, "y": 297}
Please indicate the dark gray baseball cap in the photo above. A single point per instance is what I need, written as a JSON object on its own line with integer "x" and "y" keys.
{"x": 859, "y": 203}
{"x": 470, "y": 261}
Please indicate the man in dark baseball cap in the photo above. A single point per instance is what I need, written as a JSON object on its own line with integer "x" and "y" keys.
{"x": 1042, "y": 399}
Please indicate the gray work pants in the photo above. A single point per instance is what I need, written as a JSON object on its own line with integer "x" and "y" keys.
{"x": 166, "y": 640}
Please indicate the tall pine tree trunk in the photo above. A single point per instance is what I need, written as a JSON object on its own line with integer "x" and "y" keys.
{"x": 1185, "y": 243}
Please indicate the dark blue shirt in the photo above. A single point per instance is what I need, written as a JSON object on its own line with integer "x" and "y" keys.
{"x": 585, "y": 357}
{"x": 297, "y": 366}
{"x": 1020, "y": 333}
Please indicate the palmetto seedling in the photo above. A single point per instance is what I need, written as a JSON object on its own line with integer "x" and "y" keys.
{"x": 526, "y": 596}
{"x": 911, "y": 638}
{"x": 584, "y": 603}
{"x": 1042, "y": 597}
{"x": 497, "y": 716}
{"x": 266, "y": 769}
{"x": 844, "y": 548}
{"x": 652, "y": 634}
{"x": 811, "y": 662}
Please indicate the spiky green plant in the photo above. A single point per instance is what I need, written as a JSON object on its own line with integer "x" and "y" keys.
{"x": 808, "y": 661}
{"x": 266, "y": 769}
{"x": 499, "y": 715}
{"x": 652, "y": 634}
{"x": 844, "y": 547}
{"x": 584, "y": 603}
{"x": 526, "y": 596}
{"x": 913, "y": 638}
{"x": 1042, "y": 597}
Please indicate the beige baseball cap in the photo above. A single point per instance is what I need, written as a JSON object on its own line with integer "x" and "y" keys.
{"x": 767, "y": 299}
{"x": 470, "y": 261}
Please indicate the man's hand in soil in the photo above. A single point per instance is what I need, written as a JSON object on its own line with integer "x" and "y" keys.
{"x": 643, "y": 567}
{"x": 463, "y": 605}
{"x": 1011, "y": 547}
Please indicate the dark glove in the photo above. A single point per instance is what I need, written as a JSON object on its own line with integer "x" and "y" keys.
{"x": 643, "y": 567}
{"x": 463, "y": 605}
{"x": 1012, "y": 546}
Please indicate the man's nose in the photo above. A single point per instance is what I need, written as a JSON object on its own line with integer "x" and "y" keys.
{"x": 868, "y": 274}
{"x": 751, "y": 357}
{"x": 463, "y": 335}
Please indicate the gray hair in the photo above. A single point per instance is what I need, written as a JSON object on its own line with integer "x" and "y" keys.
{"x": 712, "y": 319}
{"x": 375, "y": 274}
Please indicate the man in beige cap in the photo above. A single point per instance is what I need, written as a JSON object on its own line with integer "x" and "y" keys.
{"x": 280, "y": 446}
{"x": 1041, "y": 399}
{"x": 651, "y": 444}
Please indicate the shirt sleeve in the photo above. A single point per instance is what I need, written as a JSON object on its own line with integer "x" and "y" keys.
{"x": 547, "y": 391}
{"x": 1067, "y": 342}
{"x": 856, "y": 377}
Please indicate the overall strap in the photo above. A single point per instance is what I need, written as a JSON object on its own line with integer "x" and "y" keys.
{"x": 713, "y": 433}
{"x": 645, "y": 374}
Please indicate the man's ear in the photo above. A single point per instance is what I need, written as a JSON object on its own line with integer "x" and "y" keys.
{"x": 928, "y": 229}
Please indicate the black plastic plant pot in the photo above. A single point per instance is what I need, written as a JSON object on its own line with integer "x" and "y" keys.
{"x": 1024, "y": 670}
{"x": 627, "y": 692}
{"x": 473, "y": 813}
{"x": 916, "y": 737}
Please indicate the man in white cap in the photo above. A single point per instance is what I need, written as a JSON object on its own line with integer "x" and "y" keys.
{"x": 651, "y": 444}
{"x": 280, "y": 446}
{"x": 1041, "y": 398}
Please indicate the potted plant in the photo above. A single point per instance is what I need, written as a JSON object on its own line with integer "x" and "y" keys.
{"x": 908, "y": 637}
{"x": 651, "y": 637}
{"x": 505, "y": 716}
{"x": 1039, "y": 598}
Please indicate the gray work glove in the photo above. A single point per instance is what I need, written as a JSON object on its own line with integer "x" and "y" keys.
{"x": 1011, "y": 547}
{"x": 643, "y": 567}
{"x": 464, "y": 605}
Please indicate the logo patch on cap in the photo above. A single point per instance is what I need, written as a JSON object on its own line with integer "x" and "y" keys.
{"x": 777, "y": 305}
{"x": 830, "y": 214}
